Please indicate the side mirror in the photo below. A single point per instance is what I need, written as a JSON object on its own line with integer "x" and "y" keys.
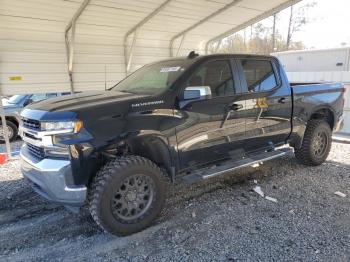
{"x": 197, "y": 93}
{"x": 27, "y": 102}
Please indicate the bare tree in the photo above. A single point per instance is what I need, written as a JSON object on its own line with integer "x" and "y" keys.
{"x": 263, "y": 39}
{"x": 290, "y": 25}
{"x": 297, "y": 19}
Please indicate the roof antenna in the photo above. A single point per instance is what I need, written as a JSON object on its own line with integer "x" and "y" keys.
{"x": 192, "y": 55}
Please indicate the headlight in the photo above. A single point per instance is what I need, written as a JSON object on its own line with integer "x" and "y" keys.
{"x": 73, "y": 126}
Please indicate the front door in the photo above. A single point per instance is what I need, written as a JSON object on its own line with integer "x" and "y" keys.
{"x": 214, "y": 128}
{"x": 268, "y": 104}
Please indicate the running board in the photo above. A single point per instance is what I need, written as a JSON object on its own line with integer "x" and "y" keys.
{"x": 230, "y": 166}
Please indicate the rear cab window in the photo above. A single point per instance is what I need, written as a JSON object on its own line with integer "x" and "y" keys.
{"x": 259, "y": 75}
{"x": 51, "y": 95}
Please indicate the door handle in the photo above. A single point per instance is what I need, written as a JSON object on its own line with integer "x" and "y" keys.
{"x": 282, "y": 100}
{"x": 236, "y": 107}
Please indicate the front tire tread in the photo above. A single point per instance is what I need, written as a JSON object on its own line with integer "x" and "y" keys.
{"x": 102, "y": 179}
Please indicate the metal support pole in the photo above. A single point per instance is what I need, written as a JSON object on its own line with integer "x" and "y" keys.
{"x": 4, "y": 128}
{"x": 212, "y": 15}
{"x": 251, "y": 21}
{"x": 131, "y": 53}
{"x": 136, "y": 28}
{"x": 207, "y": 47}
{"x": 244, "y": 40}
{"x": 181, "y": 43}
{"x": 70, "y": 42}
{"x": 274, "y": 33}
{"x": 218, "y": 46}
{"x": 70, "y": 55}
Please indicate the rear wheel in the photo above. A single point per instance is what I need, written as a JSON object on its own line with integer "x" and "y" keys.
{"x": 127, "y": 195}
{"x": 316, "y": 143}
{"x": 12, "y": 131}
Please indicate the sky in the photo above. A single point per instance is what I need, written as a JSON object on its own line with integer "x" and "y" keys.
{"x": 329, "y": 24}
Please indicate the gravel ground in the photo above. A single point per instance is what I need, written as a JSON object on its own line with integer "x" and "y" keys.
{"x": 220, "y": 220}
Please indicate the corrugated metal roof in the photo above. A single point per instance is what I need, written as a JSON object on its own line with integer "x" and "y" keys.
{"x": 32, "y": 42}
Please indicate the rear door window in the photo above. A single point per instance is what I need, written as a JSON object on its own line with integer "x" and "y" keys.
{"x": 51, "y": 95}
{"x": 259, "y": 74}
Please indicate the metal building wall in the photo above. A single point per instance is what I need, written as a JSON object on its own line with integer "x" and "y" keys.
{"x": 331, "y": 60}
{"x": 32, "y": 49}
{"x": 343, "y": 76}
{"x": 330, "y": 65}
{"x": 99, "y": 42}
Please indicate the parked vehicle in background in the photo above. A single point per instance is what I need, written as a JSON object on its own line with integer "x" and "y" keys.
{"x": 189, "y": 118}
{"x": 13, "y": 107}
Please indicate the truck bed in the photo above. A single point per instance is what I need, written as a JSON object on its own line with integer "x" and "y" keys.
{"x": 313, "y": 88}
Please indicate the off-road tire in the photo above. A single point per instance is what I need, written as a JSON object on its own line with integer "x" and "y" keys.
{"x": 306, "y": 155}
{"x": 14, "y": 135}
{"x": 111, "y": 177}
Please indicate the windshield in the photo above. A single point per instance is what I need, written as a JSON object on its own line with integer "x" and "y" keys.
{"x": 154, "y": 78}
{"x": 15, "y": 99}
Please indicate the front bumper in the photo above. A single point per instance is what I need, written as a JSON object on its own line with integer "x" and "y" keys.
{"x": 48, "y": 178}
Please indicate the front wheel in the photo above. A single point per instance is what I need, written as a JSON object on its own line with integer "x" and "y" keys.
{"x": 127, "y": 195}
{"x": 12, "y": 131}
{"x": 316, "y": 143}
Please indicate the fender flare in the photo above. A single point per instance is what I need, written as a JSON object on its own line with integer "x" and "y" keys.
{"x": 297, "y": 140}
{"x": 154, "y": 146}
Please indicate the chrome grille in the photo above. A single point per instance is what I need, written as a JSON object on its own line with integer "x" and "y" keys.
{"x": 31, "y": 123}
{"x": 36, "y": 151}
{"x": 30, "y": 136}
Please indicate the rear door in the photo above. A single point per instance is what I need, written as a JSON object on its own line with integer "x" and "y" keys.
{"x": 268, "y": 103}
{"x": 211, "y": 130}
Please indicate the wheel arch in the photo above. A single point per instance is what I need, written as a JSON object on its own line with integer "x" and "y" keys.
{"x": 324, "y": 112}
{"x": 155, "y": 147}
{"x": 306, "y": 154}
{"x": 13, "y": 120}
{"x": 321, "y": 112}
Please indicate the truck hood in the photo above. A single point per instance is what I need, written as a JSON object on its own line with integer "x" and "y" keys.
{"x": 86, "y": 101}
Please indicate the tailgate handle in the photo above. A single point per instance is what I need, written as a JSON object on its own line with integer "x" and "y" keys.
{"x": 282, "y": 100}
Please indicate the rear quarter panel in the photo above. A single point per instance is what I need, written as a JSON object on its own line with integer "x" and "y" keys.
{"x": 310, "y": 98}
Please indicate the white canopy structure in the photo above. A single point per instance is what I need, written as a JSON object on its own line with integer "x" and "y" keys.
{"x": 79, "y": 45}
{"x": 100, "y": 41}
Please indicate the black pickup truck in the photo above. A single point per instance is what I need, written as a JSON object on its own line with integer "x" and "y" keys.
{"x": 189, "y": 118}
